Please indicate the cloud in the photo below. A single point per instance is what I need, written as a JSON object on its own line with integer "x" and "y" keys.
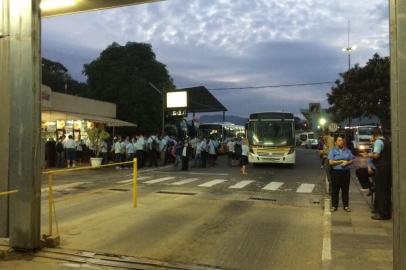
{"x": 228, "y": 43}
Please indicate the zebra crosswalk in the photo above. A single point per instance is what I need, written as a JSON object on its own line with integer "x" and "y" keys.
{"x": 304, "y": 188}
{"x": 212, "y": 183}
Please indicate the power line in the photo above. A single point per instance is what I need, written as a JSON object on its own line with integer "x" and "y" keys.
{"x": 269, "y": 86}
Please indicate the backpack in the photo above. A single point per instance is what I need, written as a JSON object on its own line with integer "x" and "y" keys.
{"x": 59, "y": 147}
{"x": 154, "y": 145}
{"x": 238, "y": 149}
{"x": 122, "y": 149}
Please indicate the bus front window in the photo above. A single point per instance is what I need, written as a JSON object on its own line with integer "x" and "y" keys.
{"x": 266, "y": 133}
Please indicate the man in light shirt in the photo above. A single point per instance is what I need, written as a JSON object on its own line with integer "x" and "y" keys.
{"x": 70, "y": 148}
{"x": 140, "y": 150}
{"x": 231, "y": 153}
{"x": 153, "y": 144}
{"x": 117, "y": 150}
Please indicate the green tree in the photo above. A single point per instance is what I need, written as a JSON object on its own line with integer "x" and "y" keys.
{"x": 121, "y": 74}
{"x": 56, "y": 76}
{"x": 363, "y": 91}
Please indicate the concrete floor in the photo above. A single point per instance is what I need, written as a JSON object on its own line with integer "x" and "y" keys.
{"x": 216, "y": 226}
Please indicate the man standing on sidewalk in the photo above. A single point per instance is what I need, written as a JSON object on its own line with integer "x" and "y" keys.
{"x": 382, "y": 162}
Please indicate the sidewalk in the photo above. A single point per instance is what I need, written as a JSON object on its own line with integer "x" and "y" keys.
{"x": 357, "y": 241}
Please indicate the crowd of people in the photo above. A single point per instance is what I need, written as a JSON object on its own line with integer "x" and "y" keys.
{"x": 372, "y": 168}
{"x": 151, "y": 150}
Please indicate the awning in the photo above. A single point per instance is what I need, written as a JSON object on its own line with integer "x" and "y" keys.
{"x": 88, "y": 5}
{"x": 201, "y": 100}
{"x": 110, "y": 122}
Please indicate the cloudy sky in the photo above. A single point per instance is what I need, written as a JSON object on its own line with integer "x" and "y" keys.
{"x": 233, "y": 43}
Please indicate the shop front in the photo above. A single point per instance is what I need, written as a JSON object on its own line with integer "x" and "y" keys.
{"x": 64, "y": 115}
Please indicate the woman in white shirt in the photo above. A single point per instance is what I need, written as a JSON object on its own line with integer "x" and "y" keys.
{"x": 244, "y": 156}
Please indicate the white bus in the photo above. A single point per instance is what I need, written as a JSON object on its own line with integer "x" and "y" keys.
{"x": 271, "y": 137}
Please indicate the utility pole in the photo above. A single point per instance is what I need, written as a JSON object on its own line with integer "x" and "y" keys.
{"x": 349, "y": 49}
{"x": 163, "y": 93}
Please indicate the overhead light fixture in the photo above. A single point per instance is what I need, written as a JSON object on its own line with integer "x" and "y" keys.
{"x": 56, "y": 4}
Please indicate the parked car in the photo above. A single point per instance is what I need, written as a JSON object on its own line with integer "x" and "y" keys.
{"x": 312, "y": 144}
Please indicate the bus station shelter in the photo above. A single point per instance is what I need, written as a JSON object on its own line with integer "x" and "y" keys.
{"x": 202, "y": 101}
{"x": 20, "y": 112}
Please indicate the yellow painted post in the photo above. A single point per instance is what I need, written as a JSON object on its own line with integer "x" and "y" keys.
{"x": 50, "y": 203}
{"x": 135, "y": 183}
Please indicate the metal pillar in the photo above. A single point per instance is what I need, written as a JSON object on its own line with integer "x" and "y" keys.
{"x": 5, "y": 115}
{"x": 398, "y": 114}
{"x": 20, "y": 58}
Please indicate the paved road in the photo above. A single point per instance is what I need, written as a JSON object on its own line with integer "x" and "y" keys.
{"x": 268, "y": 219}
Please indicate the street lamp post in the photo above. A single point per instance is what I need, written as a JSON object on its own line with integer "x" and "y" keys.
{"x": 349, "y": 49}
{"x": 163, "y": 105}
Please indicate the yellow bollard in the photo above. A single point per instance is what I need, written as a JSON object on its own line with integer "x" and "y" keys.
{"x": 50, "y": 203}
{"x": 135, "y": 183}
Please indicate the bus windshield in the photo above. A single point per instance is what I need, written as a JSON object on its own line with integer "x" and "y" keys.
{"x": 271, "y": 133}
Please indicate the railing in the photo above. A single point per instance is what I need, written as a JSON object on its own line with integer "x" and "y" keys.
{"x": 51, "y": 201}
{"x": 4, "y": 193}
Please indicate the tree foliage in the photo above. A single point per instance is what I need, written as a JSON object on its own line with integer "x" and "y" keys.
{"x": 121, "y": 74}
{"x": 363, "y": 91}
{"x": 56, "y": 76}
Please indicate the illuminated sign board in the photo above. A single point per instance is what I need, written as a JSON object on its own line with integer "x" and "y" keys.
{"x": 176, "y": 99}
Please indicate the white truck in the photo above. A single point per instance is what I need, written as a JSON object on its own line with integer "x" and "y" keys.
{"x": 362, "y": 138}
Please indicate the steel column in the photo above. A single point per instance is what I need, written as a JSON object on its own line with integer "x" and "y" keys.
{"x": 24, "y": 131}
{"x": 398, "y": 114}
{"x": 4, "y": 114}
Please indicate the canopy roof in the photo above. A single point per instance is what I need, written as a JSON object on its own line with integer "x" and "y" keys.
{"x": 110, "y": 122}
{"x": 88, "y": 5}
{"x": 201, "y": 100}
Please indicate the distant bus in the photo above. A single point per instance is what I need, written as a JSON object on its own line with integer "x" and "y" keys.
{"x": 222, "y": 132}
{"x": 271, "y": 137}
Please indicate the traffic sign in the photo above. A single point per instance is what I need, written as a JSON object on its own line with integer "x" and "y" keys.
{"x": 333, "y": 127}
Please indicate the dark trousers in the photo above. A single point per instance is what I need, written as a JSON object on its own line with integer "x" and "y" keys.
{"x": 340, "y": 180}
{"x": 204, "y": 159}
{"x": 117, "y": 157}
{"x": 185, "y": 163}
{"x": 105, "y": 157}
{"x": 70, "y": 156}
{"x": 60, "y": 161}
{"x": 153, "y": 158}
{"x": 140, "y": 158}
{"x": 363, "y": 177}
{"x": 382, "y": 201}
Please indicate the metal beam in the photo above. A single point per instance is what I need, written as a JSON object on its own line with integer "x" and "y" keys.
{"x": 5, "y": 115}
{"x": 24, "y": 132}
{"x": 89, "y": 5}
{"x": 398, "y": 114}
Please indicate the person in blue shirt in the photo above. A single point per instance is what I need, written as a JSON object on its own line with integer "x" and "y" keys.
{"x": 340, "y": 158}
{"x": 381, "y": 159}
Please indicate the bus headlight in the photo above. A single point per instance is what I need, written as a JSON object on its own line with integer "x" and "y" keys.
{"x": 291, "y": 150}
